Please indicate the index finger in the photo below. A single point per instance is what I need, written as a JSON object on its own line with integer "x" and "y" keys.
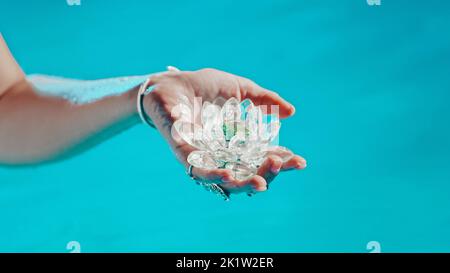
{"x": 262, "y": 96}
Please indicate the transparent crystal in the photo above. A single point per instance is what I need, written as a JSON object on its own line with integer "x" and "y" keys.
{"x": 240, "y": 170}
{"x": 203, "y": 159}
{"x": 233, "y": 135}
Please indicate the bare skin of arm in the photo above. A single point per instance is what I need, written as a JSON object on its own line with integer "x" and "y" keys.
{"x": 36, "y": 128}
{"x": 10, "y": 72}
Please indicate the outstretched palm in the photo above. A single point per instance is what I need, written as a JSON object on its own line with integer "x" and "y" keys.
{"x": 174, "y": 87}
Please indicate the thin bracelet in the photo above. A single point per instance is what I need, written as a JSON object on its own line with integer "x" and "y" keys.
{"x": 211, "y": 187}
{"x": 144, "y": 89}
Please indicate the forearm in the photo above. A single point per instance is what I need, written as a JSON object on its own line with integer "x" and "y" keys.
{"x": 10, "y": 71}
{"x": 36, "y": 128}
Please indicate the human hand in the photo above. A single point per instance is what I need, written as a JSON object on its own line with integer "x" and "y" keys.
{"x": 174, "y": 87}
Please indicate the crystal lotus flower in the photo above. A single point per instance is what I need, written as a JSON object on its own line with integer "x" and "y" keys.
{"x": 235, "y": 136}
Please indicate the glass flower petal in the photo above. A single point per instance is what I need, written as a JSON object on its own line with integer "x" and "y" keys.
{"x": 233, "y": 135}
{"x": 202, "y": 159}
{"x": 191, "y": 133}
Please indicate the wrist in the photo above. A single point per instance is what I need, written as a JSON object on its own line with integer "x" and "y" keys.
{"x": 145, "y": 90}
{"x": 130, "y": 99}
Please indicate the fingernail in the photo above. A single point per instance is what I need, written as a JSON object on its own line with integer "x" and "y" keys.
{"x": 301, "y": 164}
{"x": 292, "y": 109}
{"x": 262, "y": 188}
{"x": 275, "y": 170}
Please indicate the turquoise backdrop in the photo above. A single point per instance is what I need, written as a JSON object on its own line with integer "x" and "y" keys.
{"x": 372, "y": 91}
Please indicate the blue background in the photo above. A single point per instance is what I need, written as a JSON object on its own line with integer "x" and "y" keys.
{"x": 372, "y": 91}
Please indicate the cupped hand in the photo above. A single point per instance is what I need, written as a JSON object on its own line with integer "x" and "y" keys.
{"x": 174, "y": 87}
